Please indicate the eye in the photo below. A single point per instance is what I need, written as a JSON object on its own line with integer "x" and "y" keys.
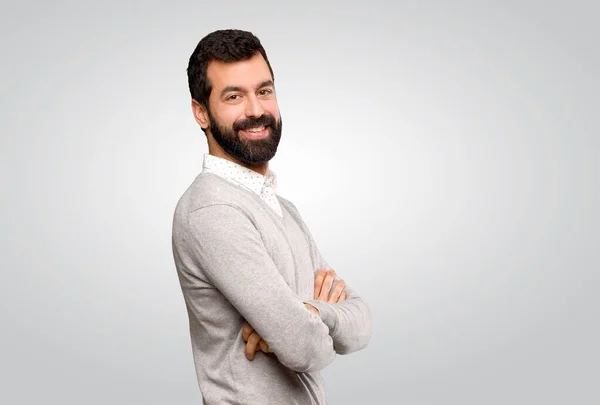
{"x": 265, "y": 92}
{"x": 233, "y": 97}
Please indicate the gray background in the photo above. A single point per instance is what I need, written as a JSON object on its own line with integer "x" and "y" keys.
{"x": 443, "y": 155}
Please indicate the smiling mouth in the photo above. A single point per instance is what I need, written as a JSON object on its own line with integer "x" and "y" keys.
{"x": 256, "y": 132}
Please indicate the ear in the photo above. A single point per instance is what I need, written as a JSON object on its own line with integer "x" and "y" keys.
{"x": 200, "y": 114}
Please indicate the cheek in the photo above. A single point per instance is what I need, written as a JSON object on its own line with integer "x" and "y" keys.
{"x": 227, "y": 116}
{"x": 272, "y": 108}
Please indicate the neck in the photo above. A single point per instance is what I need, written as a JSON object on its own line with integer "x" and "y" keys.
{"x": 217, "y": 151}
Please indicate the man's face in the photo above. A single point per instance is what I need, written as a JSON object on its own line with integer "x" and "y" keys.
{"x": 243, "y": 112}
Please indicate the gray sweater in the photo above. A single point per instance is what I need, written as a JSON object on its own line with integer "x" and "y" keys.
{"x": 238, "y": 261}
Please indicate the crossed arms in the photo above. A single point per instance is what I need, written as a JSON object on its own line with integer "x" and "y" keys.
{"x": 223, "y": 242}
{"x": 327, "y": 289}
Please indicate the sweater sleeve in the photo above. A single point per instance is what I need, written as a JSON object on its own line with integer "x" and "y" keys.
{"x": 349, "y": 321}
{"x": 221, "y": 244}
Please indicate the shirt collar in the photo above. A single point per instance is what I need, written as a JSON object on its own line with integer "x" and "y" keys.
{"x": 239, "y": 174}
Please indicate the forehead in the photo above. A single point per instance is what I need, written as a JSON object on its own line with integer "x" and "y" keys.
{"x": 247, "y": 73}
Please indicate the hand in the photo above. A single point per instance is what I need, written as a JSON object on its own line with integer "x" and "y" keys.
{"x": 254, "y": 342}
{"x": 323, "y": 287}
{"x": 312, "y": 309}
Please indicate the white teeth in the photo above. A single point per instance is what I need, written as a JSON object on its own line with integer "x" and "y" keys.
{"x": 258, "y": 129}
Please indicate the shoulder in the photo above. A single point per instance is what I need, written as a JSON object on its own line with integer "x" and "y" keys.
{"x": 207, "y": 189}
{"x": 208, "y": 197}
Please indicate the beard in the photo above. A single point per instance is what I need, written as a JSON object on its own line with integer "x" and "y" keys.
{"x": 252, "y": 152}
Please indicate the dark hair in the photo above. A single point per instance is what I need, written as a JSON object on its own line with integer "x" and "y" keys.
{"x": 229, "y": 45}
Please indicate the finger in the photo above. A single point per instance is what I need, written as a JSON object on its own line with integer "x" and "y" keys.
{"x": 247, "y": 330}
{"x": 336, "y": 292}
{"x": 319, "y": 277}
{"x": 264, "y": 347}
{"x": 343, "y": 296}
{"x": 326, "y": 287}
{"x": 252, "y": 345}
{"x": 312, "y": 309}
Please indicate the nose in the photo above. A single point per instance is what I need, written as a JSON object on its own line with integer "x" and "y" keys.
{"x": 254, "y": 107}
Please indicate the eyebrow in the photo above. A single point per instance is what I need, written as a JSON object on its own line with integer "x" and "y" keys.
{"x": 227, "y": 89}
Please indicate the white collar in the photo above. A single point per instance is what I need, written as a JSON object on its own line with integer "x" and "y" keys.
{"x": 239, "y": 174}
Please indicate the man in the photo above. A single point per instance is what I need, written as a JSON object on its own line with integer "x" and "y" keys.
{"x": 264, "y": 314}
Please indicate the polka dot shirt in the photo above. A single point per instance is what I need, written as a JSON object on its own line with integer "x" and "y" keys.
{"x": 264, "y": 186}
